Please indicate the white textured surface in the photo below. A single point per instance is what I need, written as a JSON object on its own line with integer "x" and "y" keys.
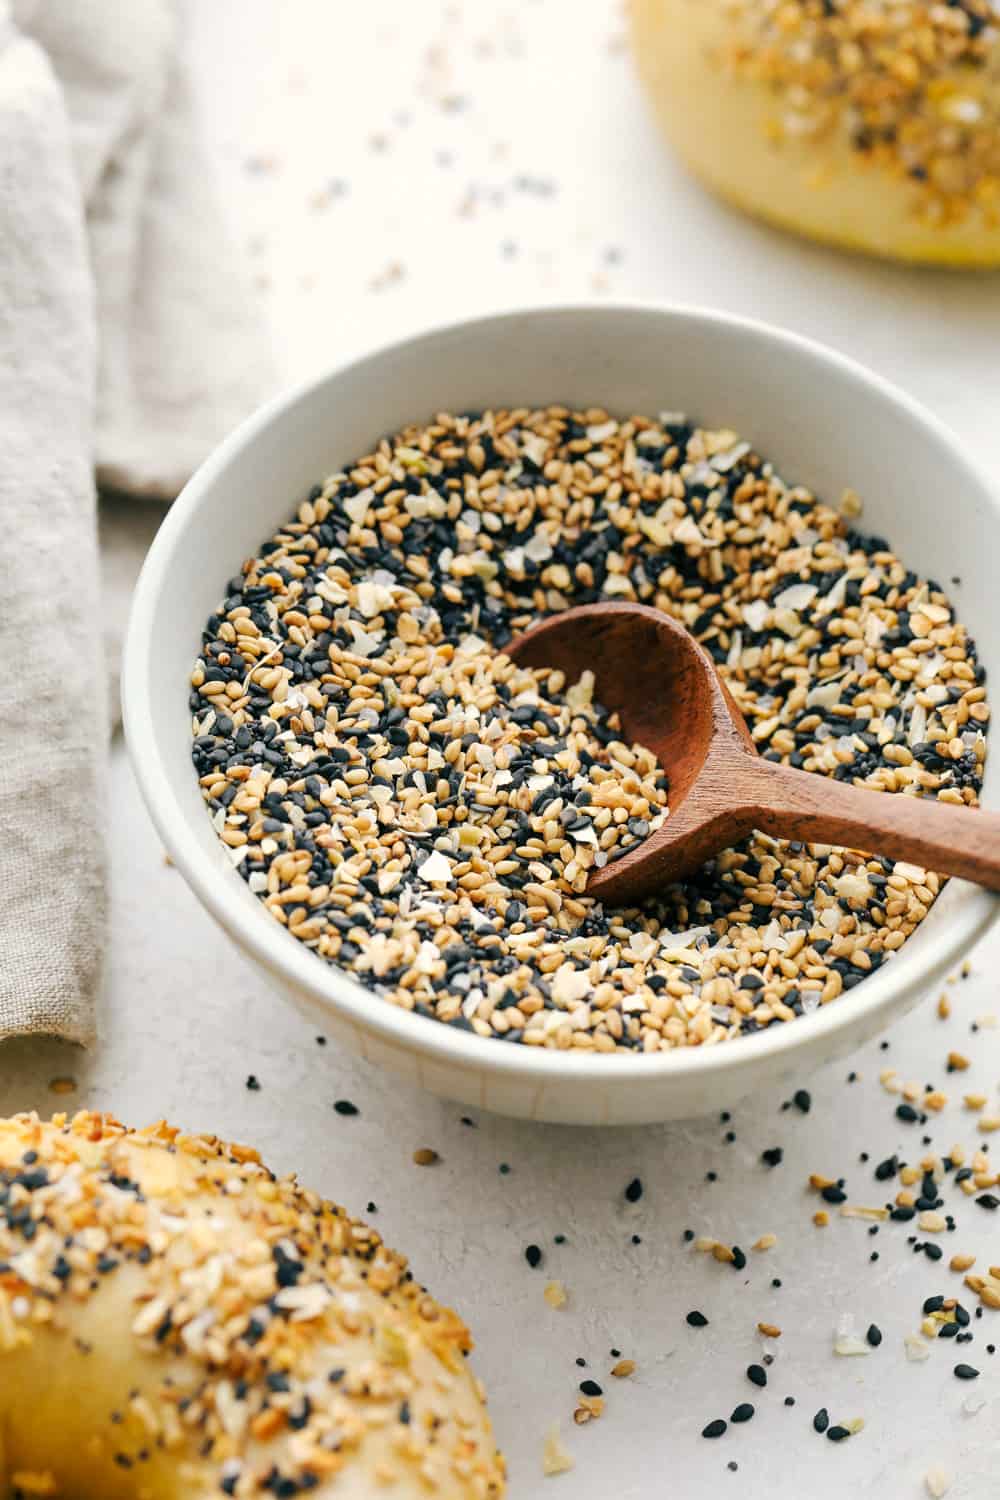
{"x": 300, "y": 96}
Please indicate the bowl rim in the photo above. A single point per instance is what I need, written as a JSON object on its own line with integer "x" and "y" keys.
{"x": 280, "y": 953}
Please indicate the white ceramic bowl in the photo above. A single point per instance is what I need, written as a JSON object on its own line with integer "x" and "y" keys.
{"x": 825, "y": 422}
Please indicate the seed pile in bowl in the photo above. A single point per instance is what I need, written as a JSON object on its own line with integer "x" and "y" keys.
{"x": 423, "y": 814}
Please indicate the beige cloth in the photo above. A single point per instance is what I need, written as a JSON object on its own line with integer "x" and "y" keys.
{"x": 127, "y": 346}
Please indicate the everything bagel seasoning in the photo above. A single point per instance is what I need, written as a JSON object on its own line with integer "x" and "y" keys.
{"x": 423, "y": 814}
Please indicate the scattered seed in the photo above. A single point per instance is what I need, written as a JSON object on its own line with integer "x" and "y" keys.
{"x": 937, "y": 1482}
{"x": 556, "y": 1459}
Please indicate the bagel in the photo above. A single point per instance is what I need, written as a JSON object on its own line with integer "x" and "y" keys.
{"x": 873, "y": 124}
{"x": 175, "y": 1322}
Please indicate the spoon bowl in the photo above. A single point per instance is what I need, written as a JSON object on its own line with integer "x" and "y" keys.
{"x": 670, "y": 699}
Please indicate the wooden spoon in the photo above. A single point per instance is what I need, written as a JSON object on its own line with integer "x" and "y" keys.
{"x": 671, "y": 700}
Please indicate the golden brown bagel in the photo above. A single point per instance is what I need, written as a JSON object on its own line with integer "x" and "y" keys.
{"x": 874, "y": 124}
{"x": 177, "y": 1322}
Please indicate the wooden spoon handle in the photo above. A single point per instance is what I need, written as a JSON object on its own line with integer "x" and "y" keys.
{"x": 941, "y": 836}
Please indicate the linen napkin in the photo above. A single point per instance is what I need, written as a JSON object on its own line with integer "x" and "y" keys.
{"x": 128, "y": 347}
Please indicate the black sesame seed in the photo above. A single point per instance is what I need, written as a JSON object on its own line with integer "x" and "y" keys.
{"x": 821, "y": 1420}
{"x": 757, "y": 1375}
{"x": 966, "y": 1372}
{"x": 742, "y": 1413}
{"x": 533, "y": 1255}
{"x": 696, "y": 1319}
{"x": 714, "y": 1429}
{"x": 345, "y": 1107}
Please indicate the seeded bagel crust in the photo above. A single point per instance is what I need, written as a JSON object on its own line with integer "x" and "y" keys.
{"x": 871, "y": 124}
{"x": 176, "y": 1321}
